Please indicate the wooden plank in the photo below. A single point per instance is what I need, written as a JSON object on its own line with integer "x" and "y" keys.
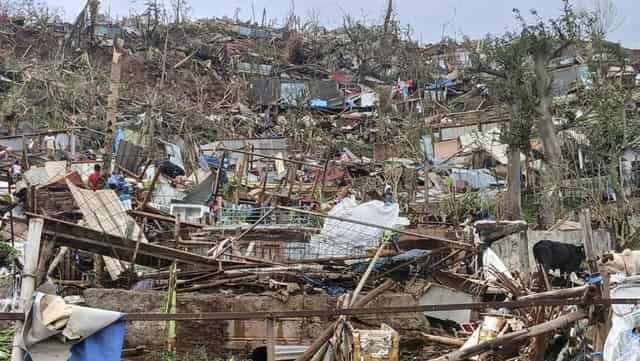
{"x": 585, "y": 222}
{"x": 271, "y": 343}
{"x": 31, "y": 254}
{"x": 361, "y": 310}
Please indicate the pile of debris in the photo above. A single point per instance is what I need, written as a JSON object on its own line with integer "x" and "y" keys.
{"x": 271, "y": 193}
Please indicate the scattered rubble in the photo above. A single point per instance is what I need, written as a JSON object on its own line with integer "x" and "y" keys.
{"x": 300, "y": 193}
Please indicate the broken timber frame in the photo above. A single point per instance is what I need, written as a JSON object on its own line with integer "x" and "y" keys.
{"x": 514, "y": 337}
{"x": 267, "y": 156}
{"x": 74, "y": 236}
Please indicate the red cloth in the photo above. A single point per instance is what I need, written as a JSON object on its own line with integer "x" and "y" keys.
{"x": 94, "y": 180}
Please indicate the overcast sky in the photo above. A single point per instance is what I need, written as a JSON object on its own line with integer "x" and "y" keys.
{"x": 428, "y": 18}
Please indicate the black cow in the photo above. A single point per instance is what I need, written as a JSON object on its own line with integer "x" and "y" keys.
{"x": 555, "y": 255}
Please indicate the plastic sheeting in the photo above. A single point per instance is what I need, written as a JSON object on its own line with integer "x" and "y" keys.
{"x": 55, "y": 331}
{"x": 389, "y": 262}
{"x": 622, "y": 343}
{"x": 119, "y": 138}
{"x": 490, "y": 260}
{"x": 476, "y": 178}
{"x": 344, "y": 238}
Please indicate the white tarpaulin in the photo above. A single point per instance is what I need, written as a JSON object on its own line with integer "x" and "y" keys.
{"x": 491, "y": 262}
{"x": 346, "y": 238}
{"x": 623, "y": 343}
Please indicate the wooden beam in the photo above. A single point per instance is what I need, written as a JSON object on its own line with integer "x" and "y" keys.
{"x": 160, "y": 217}
{"x": 448, "y": 341}
{"x": 31, "y": 254}
{"x": 78, "y": 237}
{"x": 361, "y": 310}
{"x": 147, "y": 196}
{"x": 514, "y": 337}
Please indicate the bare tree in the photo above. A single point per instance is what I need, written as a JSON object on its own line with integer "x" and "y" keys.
{"x": 387, "y": 17}
{"x": 547, "y": 40}
{"x": 506, "y": 60}
{"x": 605, "y": 18}
{"x": 181, "y": 10}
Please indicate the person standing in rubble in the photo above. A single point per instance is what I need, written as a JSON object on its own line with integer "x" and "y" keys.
{"x": 388, "y": 195}
{"x": 50, "y": 144}
{"x": 95, "y": 177}
{"x": 215, "y": 208}
{"x": 16, "y": 171}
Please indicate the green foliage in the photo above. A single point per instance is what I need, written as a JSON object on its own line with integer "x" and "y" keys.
{"x": 229, "y": 188}
{"x": 546, "y": 37}
{"x": 458, "y": 206}
{"x": 609, "y": 129}
{"x": 6, "y": 342}
{"x": 358, "y": 148}
{"x": 512, "y": 81}
{"x": 7, "y": 253}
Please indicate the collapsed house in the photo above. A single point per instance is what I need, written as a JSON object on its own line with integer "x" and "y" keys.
{"x": 276, "y": 201}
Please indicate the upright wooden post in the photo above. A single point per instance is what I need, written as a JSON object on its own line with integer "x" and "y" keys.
{"x": 271, "y": 340}
{"x": 147, "y": 197}
{"x": 523, "y": 245}
{"x": 176, "y": 231}
{"x": 600, "y": 324}
{"x": 587, "y": 239}
{"x": 215, "y": 187}
{"x": 112, "y": 108}
{"x": 324, "y": 180}
{"x": 426, "y": 183}
{"x": 25, "y": 153}
{"x": 31, "y": 254}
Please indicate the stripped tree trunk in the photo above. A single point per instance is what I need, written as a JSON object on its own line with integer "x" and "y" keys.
{"x": 514, "y": 193}
{"x": 552, "y": 153}
{"x": 387, "y": 18}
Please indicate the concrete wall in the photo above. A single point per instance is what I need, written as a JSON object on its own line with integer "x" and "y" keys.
{"x": 510, "y": 249}
{"x": 217, "y": 336}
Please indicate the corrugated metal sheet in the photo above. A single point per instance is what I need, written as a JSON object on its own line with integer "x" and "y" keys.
{"x": 14, "y": 143}
{"x": 270, "y": 91}
{"x": 130, "y": 156}
{"x": 102, "y": 211}
{"x": 250, "y": 68}
{"x": 253, "y": 32}
{"x": 292, "y": 93}
{"x": 266, "y": 146}
{"x": 289, "y": 352}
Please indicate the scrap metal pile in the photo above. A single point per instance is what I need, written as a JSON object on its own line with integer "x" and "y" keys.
{"x": 270, "y": 193}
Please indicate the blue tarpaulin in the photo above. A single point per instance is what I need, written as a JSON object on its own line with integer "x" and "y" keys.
{"x": 440, "y": 84}
{"x": 319, "y": 103}
{"x": 117, "y": 140}
{"x": 476, "y": 178}
{"x": 105, "y": 345}
{"x": 331, "y": 290}
{"x": 385, "y": 262}
{"x": 207, "y": 161}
